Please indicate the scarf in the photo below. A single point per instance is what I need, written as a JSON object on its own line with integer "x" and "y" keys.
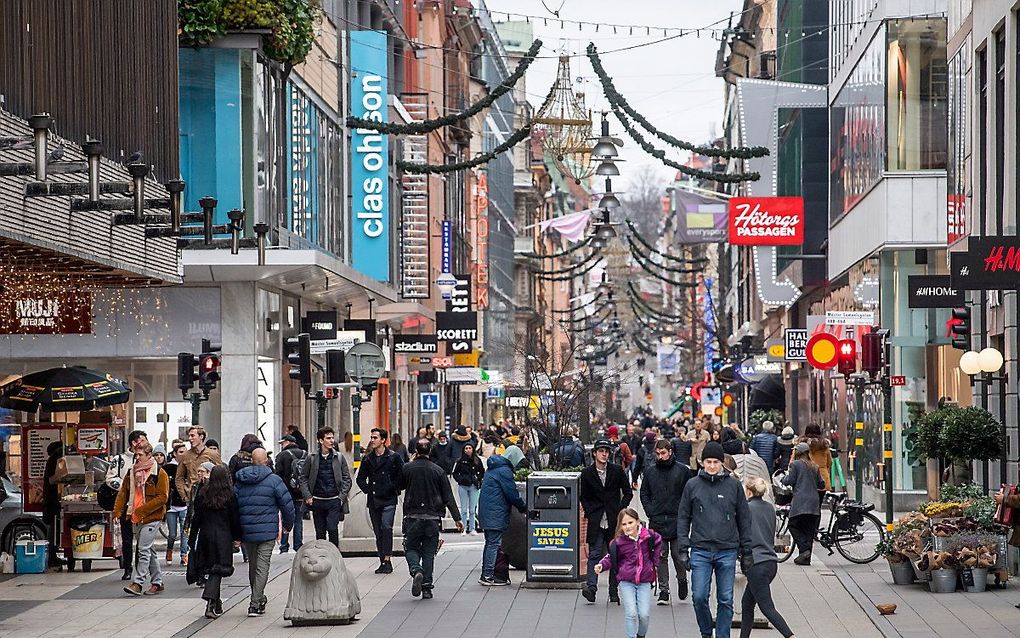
{"x": 139, "y": 475}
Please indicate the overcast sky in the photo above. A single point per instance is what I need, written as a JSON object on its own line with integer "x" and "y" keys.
{"x": 671, "y": 83}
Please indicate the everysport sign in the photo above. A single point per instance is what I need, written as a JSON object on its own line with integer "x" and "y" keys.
{"x": 766, "y": 221}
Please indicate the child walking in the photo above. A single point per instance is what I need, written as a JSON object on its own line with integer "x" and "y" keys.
{"x": 633, "y": 554}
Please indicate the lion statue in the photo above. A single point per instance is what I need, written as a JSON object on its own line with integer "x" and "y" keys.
{"x": 322, "y": 591}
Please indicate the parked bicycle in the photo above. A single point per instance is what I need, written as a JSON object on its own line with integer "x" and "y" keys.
{"x": 853, "y": 530}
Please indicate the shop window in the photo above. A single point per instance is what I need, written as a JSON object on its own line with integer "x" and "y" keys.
{"x": 917, "y": 87}
{"x": 958, "y": 148}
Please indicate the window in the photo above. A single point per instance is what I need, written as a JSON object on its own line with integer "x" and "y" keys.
{"x": 982, "y": 64}
{"x": 958, "y": 148}
{"x": 917, "y": 88}
{"x": 1000, "y": 128}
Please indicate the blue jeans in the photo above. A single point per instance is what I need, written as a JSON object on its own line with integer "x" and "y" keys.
{"x": 382, "y": 526}
{"x": 637, "y": 602}
{"x": 724, "y": 564}
{"x": 468, "y": 495}
{"x": 175, "y": 527}
{"x": 298, "y": 531}
{"x": 493, "y": 538}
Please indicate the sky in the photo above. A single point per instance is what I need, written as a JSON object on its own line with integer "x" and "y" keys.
{"x": 671, "y": 83}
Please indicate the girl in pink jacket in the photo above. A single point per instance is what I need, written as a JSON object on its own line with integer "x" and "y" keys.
{"x": 633, "y": 554}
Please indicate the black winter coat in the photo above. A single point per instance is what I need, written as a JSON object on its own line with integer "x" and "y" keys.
{"x": 442, "y": 455}
{"x": 285, "y": 468}
{"x": 379, "y": 478}
{"x": 469, "y": 472}
{"x": 661, "y": 492}
{"x": 597, "y": 500}
{"x": 176, "y": 500}
{"x": 682, "y": 450}
{"x": 213, "y": 532}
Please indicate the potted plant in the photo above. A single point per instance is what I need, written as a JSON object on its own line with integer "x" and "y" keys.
{"x": 899, "y": 564}
{"x": 975, "y": 554}
{"x": 969, "y": 434}
{"x": 942, "y": 566}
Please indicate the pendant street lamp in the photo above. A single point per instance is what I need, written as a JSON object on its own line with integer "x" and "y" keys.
{"x": 609, "y": 199}
{"x": 988, "y": 360}
{"x": 604, "y": 229}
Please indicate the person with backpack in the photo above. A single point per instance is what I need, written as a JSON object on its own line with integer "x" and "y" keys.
{"x": 499, "y": 493}
{"x": 379, "y": 477}
{"x": 568, "y": 452}
{"x": 660, "y": 497}
{"x": 603, "y": 491}
{"x": 632, "y": 556}
{"x": 644, "y": 457}
{"x": 623, "y": 455}
{"x": 289, "y": 463}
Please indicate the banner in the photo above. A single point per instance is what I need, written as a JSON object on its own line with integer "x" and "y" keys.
{"x": 667, "y": 358}
{"x": 370, "y": 209}
{"x": 699, "y": 220}
{"x": 766, "y": 221}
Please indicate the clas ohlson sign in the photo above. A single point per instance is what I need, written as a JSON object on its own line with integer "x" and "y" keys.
{"x": 370, "y": 206}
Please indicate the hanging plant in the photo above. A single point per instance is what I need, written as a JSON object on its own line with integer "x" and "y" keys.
{"x": 291, "y": 24}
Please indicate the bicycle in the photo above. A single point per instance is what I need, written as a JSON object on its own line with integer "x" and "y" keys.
{"x": 852, "y": 530}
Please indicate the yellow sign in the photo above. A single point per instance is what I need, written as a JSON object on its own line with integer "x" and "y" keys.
{"x": 777, "y": 351}
{"x": 469, "y": 359}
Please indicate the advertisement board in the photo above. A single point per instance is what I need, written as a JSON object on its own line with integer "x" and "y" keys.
{"x": 933, "y": 291}
{"x": 370, "y": 208}
{"x": 990, "y": 263}
{"x": 34, "y": 441}
{"x": 766, "y": 221}
{"x": 62, "y": 313}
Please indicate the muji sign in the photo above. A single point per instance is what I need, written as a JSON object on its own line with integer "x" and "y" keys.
{"x": 766, "y": 221}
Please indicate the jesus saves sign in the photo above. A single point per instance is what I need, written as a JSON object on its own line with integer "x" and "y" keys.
{"x": 766, "y": 221}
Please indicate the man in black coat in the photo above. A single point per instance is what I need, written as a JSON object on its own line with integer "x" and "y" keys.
{"x": 661, "y": 490}
{"x": 284, "y": 468}
{"x": 604, "y": 491}
{"x": 379, "y": 478}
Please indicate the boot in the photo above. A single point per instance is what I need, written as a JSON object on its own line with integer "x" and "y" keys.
{"x": 681, "y": 589}
{"x": 169, "y": 557}
{"x": 804, "y": 558}
{"x": 614, "y": 597}
{"x": 219, "y": 606}
{"x": 210, "y": 609}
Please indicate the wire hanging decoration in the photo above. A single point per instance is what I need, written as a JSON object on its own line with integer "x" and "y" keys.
{"x": 566, "y": 125}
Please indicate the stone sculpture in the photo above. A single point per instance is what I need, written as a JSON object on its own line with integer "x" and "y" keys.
{"x": 322, "y": 591}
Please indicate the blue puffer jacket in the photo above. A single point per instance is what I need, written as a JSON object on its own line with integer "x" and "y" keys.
{"x": 261, "y": 498}
{"x": 499, "y": 493}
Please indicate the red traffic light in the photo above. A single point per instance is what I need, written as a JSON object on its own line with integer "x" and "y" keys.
{"x": 210, "y": 363}
{"x": 847, "y": 357}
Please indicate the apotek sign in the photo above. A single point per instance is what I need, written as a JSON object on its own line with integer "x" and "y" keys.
{"x": 766, "y": 221}
{"x": 370, "y": 236}
{"x": 482, "y": 244}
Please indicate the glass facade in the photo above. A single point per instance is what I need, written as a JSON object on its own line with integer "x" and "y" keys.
{"x": 848, "y": 19}
{"x": 857, "y": 130}
{"x": 917, "y": 91}
{"x": 958, "y": 147}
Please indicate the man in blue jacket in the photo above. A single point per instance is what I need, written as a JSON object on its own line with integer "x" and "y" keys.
{"x": 766, "y": 445}
{"x": 499, "y": 494}
{"x": 262, "y": 498}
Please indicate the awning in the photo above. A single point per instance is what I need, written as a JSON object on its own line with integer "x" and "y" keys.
{"x": 768, "y": 394}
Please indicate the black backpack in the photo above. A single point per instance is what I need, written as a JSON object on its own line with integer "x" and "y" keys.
{"x": 297, "y": 468}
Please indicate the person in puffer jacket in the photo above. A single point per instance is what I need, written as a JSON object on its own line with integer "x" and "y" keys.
{"x": 262, "y": 498}
{"x": 633, "y": 555}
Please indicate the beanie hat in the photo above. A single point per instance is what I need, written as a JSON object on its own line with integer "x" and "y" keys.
{"x": 767, "y": 426}
{"x": 787, "y": 436}
{"x": 649, "y": 435}
{"x": 713, "y": 451}
{"x": 514, "y": 455}
{"x": 159, "y": 449}
{"x": 612, "y": 430}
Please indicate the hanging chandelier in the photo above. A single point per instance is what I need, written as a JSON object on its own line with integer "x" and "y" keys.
{"x": 566, "y": 127}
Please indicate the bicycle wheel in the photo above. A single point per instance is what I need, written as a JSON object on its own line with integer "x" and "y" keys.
{"x": 784, "y": 544}
{"x": 859, "y": 543}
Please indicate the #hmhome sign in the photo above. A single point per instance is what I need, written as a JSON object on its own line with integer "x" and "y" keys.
{"x": 370, "y": 227}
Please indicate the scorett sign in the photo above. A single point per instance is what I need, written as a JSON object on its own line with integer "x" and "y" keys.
{"x": 766, "y": 221}
{"x": 933, "y": 291}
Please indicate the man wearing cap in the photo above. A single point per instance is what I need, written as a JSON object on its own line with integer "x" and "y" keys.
{"x": 604, "y": 491}
{"x": 765, "y": 444}
{"x": 290, "y": 452}
{"x": 713, "y": 523}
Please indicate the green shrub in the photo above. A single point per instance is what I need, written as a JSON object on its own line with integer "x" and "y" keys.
{"x": 971, "y": 434}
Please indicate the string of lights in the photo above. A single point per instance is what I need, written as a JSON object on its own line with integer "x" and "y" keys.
{"x": 578, "y": 273}
{"x": 636, "y": 298}
{"x": 562, "y": 253}
{"x": 648, "y": 269}
{"x": 562, "y": 271}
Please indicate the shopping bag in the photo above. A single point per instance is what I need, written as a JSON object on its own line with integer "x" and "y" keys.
{"x": 1004, "y": 514}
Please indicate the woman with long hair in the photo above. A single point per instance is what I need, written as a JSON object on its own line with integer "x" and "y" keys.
{"x": 805, "y": 508}
{"x": 820, "y": 449}
{"x": 633, "y": 555}
{"x": 468, "y": 472}
{"x": 761, "y": 574}
{"x": 397, "y": 447}
{"x": 215, "y": 532}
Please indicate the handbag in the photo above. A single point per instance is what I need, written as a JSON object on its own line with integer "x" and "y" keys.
{"x": 106, "y": 496}
{"x": 1004, "y": 514}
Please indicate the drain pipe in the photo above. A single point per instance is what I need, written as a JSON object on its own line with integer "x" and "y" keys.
{"x": 41, "y": 133}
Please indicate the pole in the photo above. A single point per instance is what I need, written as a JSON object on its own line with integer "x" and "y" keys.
{"x": 859, "y": 438}
{"x": 887, "y": 436}
{"x": 1002, "y": 424}
{"x": 196, "y": 404}
{"x": 320, "y": 410}
{"x": 356, "y": 425}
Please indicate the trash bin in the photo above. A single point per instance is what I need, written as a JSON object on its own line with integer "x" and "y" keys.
{"x": 87, "y": 537}
{"x": 553, "y": 535}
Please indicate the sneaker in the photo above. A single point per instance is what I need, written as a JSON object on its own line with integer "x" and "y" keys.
{"x": 134, "y": 589}
{"x": 614, "y": 597}
{"x": 486, "y": 581}
{"x": 681, "y": 589}
{"x": 663, "y": 598}
{"x": 262, "y": 608}
{"x": 426, "y": 594}
{"x": 499, "y": 582}
{"x": 253, "y": 611}
{"x": 416, "y": 583}
{"x": 169, "y": 556}
{"x": 284, "y": 550}
{"x": 473, "y": 533}
{"x": 589, "y": 594}
{"x": 210, "y": 609}
{"x": 153, "y": 590}
{"x": 464, "y": 533}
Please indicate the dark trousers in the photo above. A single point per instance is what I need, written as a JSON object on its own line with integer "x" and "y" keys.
{"x": 670, "y": 552}
{"x": 803, "y": 528}
{"x": 127, "y": 539}
{"x": 298, "y": 531}
{"x": 758, "y": 592}
{"x": 421, "y": 542}
{"x": 212, "y": 587}
{"x": 597, "y": 550}
{"x": 52, "y": 537}
{"x": 326, "y": 514}
{"x": 382, "y": 525}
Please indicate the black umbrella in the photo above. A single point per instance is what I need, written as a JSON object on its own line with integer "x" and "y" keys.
{"x": 64, "y": 389}
{"x": 768, "y": 394}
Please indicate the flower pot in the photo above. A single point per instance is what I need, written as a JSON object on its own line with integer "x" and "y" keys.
{"x": 902, "y": 572}
{"x": 943, "y": 581}
{"x": 923, "y": 576}
{"x": 975, "y": 579}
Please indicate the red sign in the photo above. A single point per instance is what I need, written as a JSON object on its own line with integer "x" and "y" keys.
{"x": 64, "y": 313}
{"x": 822, "y": 351}
{"x": 897, "y": 380}
{"x": 766, "y": 221}
{"x": 442, "y": 362}
{"x": 482, "y": 244}
{"x": 956, "y": 211}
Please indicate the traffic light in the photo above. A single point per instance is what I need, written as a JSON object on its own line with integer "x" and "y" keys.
{"x": 208, "y": 371}
{"x": 299, "y": 356}
{"x": 846, "y": 355}
{"x": 959, "y": 328}
{"x": 335, "y": 370}
{"x": 186, "y": 373}
{"x": 871, "y": 353}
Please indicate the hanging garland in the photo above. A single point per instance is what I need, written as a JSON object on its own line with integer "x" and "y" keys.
{"x": 638, "y": 255}
{"x": 647, "y": 307}
{"x": 583, "y": 271}
{"x": 569, "y": 311}
{"x": 617, "y": 100}
{"x": 636, "y": 234}
{"x": 651, "y": 272}
{"x": 513, "y": 140}
{"x": 723, "y": 178}
{"x": 571, "y": 268}
{"x": 427, "y": 126}
{"x": 562, "y": 253}
{"x": 586, "y": 317}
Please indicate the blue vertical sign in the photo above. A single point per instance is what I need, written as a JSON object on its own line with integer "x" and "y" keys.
{"x": 709, "y": 326}
{"x": 447, "y": 246}
{"x": 370, "y": 209}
